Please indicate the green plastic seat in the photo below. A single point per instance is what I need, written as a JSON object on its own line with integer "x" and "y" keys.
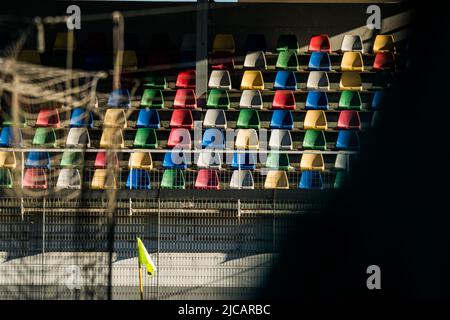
{"x": 173, "y": 179}
{"x": 155, "y": 82}
{"x": 314, "y": 140}
{"x": 278, "y": 161}
{"x": 45, "y": 137}
{"x": 5, "y": 178}
{"x": 339, "y": 180}
{"x": 248, "y": 119}
{"x": 146, "y": 138}
{"x": 287, "y": 60}
{"x": 218, "y": 99}
{"x": 350, "y": 100}
{"x": 8, "y": 121}
{"x": 152, "y": 98}
{"x": 72, "y": 159}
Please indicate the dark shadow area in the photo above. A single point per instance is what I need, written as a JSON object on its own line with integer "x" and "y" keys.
{"x": 395, "y": 214}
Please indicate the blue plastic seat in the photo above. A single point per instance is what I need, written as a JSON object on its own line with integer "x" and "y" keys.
{"x": 119, "y": 98}
{"x": 81, "y": 118}
{"x": 148, "y": 118}
{"x": 319, "y": 61}
{"x": 175, "y": 159}
{"x": 316, "y": 100}
{"x": 285, "y": 80}
{"x": 378, "y": 99}
{"x": 311, "y": 180}
{"x": 282, "y": 119}
{"x": 10, "y": 137}
{"x": 38, "y": 160}
{"x": 348, "y": 140}
{"x": 247, "y": 161}
{"x": 213, "y": 138}
{"x": 138, "y": 179}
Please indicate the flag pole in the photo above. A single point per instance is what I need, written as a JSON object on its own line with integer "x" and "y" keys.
{"x": 141, "y": 286}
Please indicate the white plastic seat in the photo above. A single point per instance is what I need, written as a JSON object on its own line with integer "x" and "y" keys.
{"x": 352, "y": 42}
{"x": 78, "y": 137}
{"x": 209, "y": 159}
{"x": 251, "y": 99}
{"x": 280, "y": 139}
{"x": 215, "y": 118}
{"x": 341, "y": 161}
{"x": 256, "y": 59}
{"x": 220, "y": 79}
{"x": 242, "y": 179}
{"x": 69, "y": 178}
{"x": 318, "y": 80}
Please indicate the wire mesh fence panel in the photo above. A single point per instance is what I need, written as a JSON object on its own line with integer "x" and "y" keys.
{"x": 203, "y": 249}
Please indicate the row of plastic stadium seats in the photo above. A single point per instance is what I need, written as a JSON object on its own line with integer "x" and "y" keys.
{"x": 286, "y": 60}
{"x": 284, "y": 80}
{"x": 223, "y": 49}
{"x": 224, "y": 42}
{"x": 139, "y": 179}
{"x": 315, "y": 118}
{"x": 318, "y": 61}
{"x": 205, "y": 159}
{"x": 282, "y": 99}
{"x": 181, "y": 138}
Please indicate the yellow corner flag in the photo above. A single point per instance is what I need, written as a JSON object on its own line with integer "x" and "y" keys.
{"x": 145, "y": 259}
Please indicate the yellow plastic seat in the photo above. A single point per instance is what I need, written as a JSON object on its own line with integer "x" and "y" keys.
{"x": 112, "y": 138}
{"x": 276, "y": 180}
{"x": 30, "y": 56}
{"x": 7, "y": 159}
{"x": 252, "y": 80}
{"x": 115, "y": 118}
{"x": 103, "y": 179}
{"x": 129, "y": 60}
{"x": 352, "y": 61}
{"x": 350, "y": 81}
{"x": 61, "y": 42}
{"x": 315, "y": 119}
{"x": 223, "y": 42}
{"x": 247, "y": 139}
{"x": 312, "y": 161}
{"x": 140, "y": 160}
{"x": 384, "y": 43}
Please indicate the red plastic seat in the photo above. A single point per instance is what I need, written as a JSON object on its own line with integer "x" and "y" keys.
{"x": 179, "y": 137}
{"x": 384, "y": 61}
{"x": 102, "y": 162}
{"x": 182, "y": 118}
{"x": 349, "y": 119}
{"x": 284, "y": 99}
{"x": 185, "y": 99}
{"x": 48, "y": 118}
{"x": 320, "y": 42}
{"x": 222, "y": 61}
{"x": 207, "y": 179}
{"x": 35, "y": 178}
{"x": 186, "y": 79}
